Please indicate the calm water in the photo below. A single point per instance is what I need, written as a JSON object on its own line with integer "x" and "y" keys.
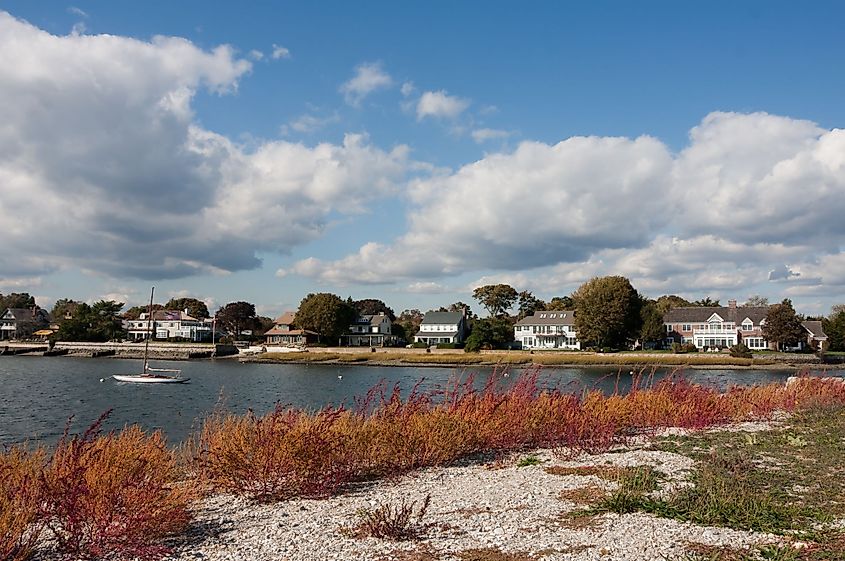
{"x": 38, "y": 395}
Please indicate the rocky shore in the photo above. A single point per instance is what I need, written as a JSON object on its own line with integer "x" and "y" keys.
{"x": 498, "y": 511}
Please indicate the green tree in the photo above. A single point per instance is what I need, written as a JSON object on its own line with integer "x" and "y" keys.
{"x": 458, "y": 307}
{"x": 607, "y": 311}
{"x": 235, "y": 317}
{"x": 135, "y": 311}
{"x": 373, "y": 306}
{"x": 834, "y": 328}
{"x": 783, "y": 326}
{"x": 64, "y": 308}
{"x": 756, "y": 301}
{"x": 489, "y": 333}
{"x": 16, "y": 300}
{"x": 196, "y": 308}
{"x": 561, "y": 303}
{"x": 97, "y": 323}
{"x": 326, "y": 314}
{"x": 652, "y": 330}
{"x": 410, "y": 321}
{"x": 496, "y": 298}
{"x": 706, "y": 303}
{"x": 528, "y": 304}
{"x": 670, "y": 301}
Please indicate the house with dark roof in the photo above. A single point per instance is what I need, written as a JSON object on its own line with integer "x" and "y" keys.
{"x": 285, "y": 333}
{"x": 443, "y": 327}
{"x": 547, "y": 329}
{"x": 372, "y": 330}
{"x": 21, "y": 323}
{"x": 717, "y": 327}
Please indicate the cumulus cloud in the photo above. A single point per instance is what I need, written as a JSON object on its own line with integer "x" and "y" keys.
{"x": 280, "y": 52}
{"x": 749, "y": 193}
{"x": 368, "y": 78}
{"x": 440, "y": 105}
{"x": 104, "y": 169}
{"x": 255, "y": 54}
{"x": 484, "y": 135}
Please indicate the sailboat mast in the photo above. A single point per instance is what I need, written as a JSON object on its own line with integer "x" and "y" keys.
{"x": 149, "y": 328}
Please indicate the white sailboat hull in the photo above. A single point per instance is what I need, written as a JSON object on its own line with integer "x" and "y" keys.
{"x": 142, "y": 379}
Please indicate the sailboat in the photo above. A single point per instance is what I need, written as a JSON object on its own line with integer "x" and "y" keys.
{"x": 149, "y": 374}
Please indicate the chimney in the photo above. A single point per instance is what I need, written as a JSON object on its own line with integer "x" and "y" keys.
{"x": 732, "y": 304}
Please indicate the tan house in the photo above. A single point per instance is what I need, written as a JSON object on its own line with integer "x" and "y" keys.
{"x": 283, "y": 332}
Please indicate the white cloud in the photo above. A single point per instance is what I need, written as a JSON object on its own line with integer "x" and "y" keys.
{"x": 104, "y": 169}
{"x": 440, "y": 104}
{"x": 255, "y": 54}
{"x": 309, "y": 123}
{"x": 485, "y": 135}
{"x": 426, "y": 287}
{"x": 77, "y": 11}
{"x": 407, "y": 89}
{"x": 368, "y": 78}
{"x": 749, "y": 193}
{"x": 280, "y": 52}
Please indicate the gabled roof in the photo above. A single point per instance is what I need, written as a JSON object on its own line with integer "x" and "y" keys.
{"x": 442, "y": 318}
{"x": 19, "y": 313}
{"x": 549, "y": 317}
{"x": 376, "y": 319}
{"x": 172, "y": 315}
{"x": 285, "y": 319}
{"x": 700, "y": 314}
{"x": 815, "y": 329}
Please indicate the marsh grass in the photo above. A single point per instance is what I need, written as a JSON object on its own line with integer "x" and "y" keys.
{"x": 399, "y": 522}
{"x": 21, "y": 494}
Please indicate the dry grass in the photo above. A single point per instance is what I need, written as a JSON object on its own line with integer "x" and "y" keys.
{"x": 586, "y": 495}
{"x": 492, "y": 554}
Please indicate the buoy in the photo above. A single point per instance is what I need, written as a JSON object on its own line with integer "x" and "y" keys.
{"x": 340, "y": 376}
{"x": 102, "y": 379}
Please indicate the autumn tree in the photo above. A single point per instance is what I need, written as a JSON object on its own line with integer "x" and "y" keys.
{"x": 783, "y": 326}
{"x": 372, "y": 307}
{"x": 409, "y": 321}
{"x": 528, "y": 304}
{"x": 607, "y": 311}
{"x": 496, "y": 298}
{"x": 326, "y": 314}
{"x": 236, "y": 317}
{"x": 561, "y": 303}
{"x": 196, "y": 308}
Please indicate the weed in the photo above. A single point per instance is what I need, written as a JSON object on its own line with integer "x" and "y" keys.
{"x": 20, "y": 496}
{"x": 529, "y": 460}
{"x": 631, "y": 493}
{"x": 398, "y": 522}
{"x": 113, "y": 494}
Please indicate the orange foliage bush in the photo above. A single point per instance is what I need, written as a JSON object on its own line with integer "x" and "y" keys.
{"x": 113, "y": 494}
{"x": 290, "y": 453}
{"x": 20, "y": 498}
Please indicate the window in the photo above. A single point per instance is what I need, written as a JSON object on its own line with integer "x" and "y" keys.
{"x": 747, "y": 326}
{"x": 686, "y": 327}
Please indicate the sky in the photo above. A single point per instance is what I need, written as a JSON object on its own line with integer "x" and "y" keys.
{"x": 411, "y": 152}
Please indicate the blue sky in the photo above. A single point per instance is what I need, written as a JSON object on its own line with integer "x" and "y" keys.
{"x": 411, "y": 152}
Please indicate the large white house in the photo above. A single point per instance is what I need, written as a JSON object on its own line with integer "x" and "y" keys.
{"x": 547, "y": 329}
{"x": 169, "y": 324}
{"x": 442, "y": 327}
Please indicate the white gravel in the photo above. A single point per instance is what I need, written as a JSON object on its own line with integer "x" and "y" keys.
{"x": 513, "y": 509}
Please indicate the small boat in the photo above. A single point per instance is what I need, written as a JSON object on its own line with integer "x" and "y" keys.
{"x": 150, "y": 375}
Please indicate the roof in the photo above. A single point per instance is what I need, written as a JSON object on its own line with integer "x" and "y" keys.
{"x": 376, "y": 319}
{"x": 19, "y": 313}
{"x": 815, "y": 328}
{"x": 443, "y": 318}
{"x": 285, "y": 319}
{"x": 43, "y": 332}
{"x": 168, "y": 315}
{"x": 276, "y": 331}
{"x": 700, "y": 314}
{"x": 549, "y": 317}
{"x": 430, "y": 334}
